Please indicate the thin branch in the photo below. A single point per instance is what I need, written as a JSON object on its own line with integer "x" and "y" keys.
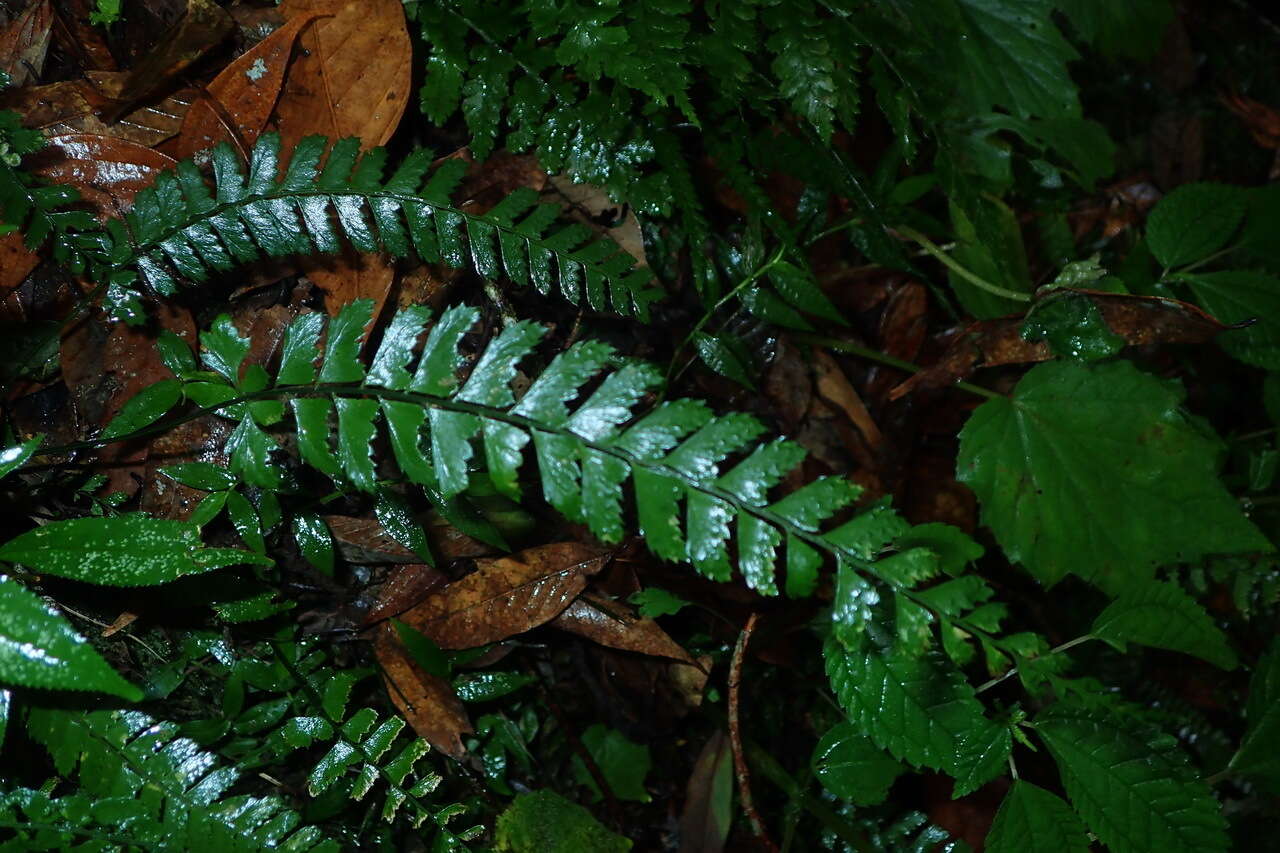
{"x": 735, "y": 735}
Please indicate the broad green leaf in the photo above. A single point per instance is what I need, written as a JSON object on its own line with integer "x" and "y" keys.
{"x": 201, "y": 475}
{"x": 1133, "y": 787}
{"x": 314, "y": 540}
{"x": 1096, "y": 471}
{"x": 1160, "y": 614}
{"x": 38, "y": 648}
{"x": 223, "y": 349}
{"x": 1032, "y": 820}
{"x": 1259, "y": 753}
{"x": 423, "y": 650}
{"x": 13, "y": 458}
{"x": 1133, "y": 29}
{"x": 623, "y": 763}
{"x": 397, "y": 519}
{"x": 920, "y": 709}
{"x": 1193, "y": 222}
{"x": 1073, "y": 326}
{"x": 852, "y": 767}
{"x": 545, "y": 822}
{"x": 127, "y": 550}
{"x": 725, "y": 355}
{"x": 1243, "y": 296}
{"x": 144, "y": 408}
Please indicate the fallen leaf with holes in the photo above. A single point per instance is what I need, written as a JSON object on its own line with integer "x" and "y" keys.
{"x": 201, "y": 29}
{"x": 240, "y": 100}
{"x": 708, "y": 805}
{"x": 427, "y": 701}
{"x": 106, "y": 170}
{"x": 1140, "y": 320}
{"x": 352, "y": 79}
{"x": 612, "y": 624}
{"x": 506, "y": 596}
{"x": 25, "y": 43}
{"x": 408, "y": 584}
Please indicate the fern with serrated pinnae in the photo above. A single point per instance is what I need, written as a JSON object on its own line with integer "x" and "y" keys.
{"x": 183, "y": 229}
{"x": 140, "y": 787}
{"x": 289, "y": 704}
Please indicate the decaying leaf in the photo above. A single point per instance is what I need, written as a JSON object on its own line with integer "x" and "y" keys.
{"x": 201, "y": 29}
{"x": 1140, "y": 320}
{"x": 106, "y": 170}
{"x": 363, "y": 540}
{"x": 25, "y": 42}
{"x": 708, "y": 812}
{"x": 408, "y": 584}
{"x": 16, "y": 262}
{"x": 507, "y": 595}
{"x": 611, "y": 623}
{"x": 428, "y": 702}
{"x": 239, "y": 101}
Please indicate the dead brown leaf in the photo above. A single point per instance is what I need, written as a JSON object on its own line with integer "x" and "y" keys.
{"x": 362, "y": 540}
{"x": 239, "y": 101}
{"x": 407, "y": 585}
{"x": 427, "y": 701}
{"x": 834, "y": 387}
{"x": 202, "y": 28}
{"x": 25, "y": 42}
{"x": 1263, "y": 121}
{"x": 707, "y": 815}
{"x": 613, "y": 624}
{"x": 74, "y": 33}
{"x": 505, "y": 596}
{"x": 16, "y": 262}
{"x": 107, "y": 171}
{"x": 1140, "y": 320}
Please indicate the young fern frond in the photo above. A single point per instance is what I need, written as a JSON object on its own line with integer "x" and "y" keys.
{"x": 183, "y": 229}
{"x": 141, "y": 787}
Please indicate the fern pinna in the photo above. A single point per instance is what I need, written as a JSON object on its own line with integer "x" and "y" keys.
{"x": 183, "y": 229}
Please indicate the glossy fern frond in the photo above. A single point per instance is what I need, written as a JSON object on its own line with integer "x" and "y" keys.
{"x": 183, "y": 229}
{"x": 141, "y": 787}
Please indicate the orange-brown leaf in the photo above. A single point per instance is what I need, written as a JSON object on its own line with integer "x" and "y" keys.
{"x": 507, "y": 595}
{"x": 427, "y": 701}
{"x": 16, "y": 262}
{"x": 612, "y": 624}
{"x": 107, "y": 171}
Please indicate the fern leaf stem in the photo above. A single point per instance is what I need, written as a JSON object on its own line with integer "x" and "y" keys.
{"x": 959, "y": 269}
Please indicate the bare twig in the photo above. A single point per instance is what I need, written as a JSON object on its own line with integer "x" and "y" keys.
{"x": 735, "y": 736}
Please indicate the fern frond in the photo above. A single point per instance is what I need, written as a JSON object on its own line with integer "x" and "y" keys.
{"x": 141, "y": 787}
{"x": 182, "y": 229}
{"x": 700, "y": 483}
{"x": 290, "y": 700}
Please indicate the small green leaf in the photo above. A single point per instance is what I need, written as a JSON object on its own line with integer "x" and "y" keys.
{"x": 852, "y": 767}
{"x": 127, "y": 550}
{"x": 13, "y": 458}
{"x": 423, "y": 650}
{"x": 1259, "y": 753}
{"x": 1120, "y": 775}
{"x": 653, "y": 602}
{"x": 725, "y": 355}
{"x": 1032, "y": 820}
{"x": 1160, "y": 614}
{"x": 623, "y": 763}
{"x": 201, "y": 475}
{"x": 244, "y": 518}
{"x": 1073, "y": 326}
{"x": 176, "y": 354}
{"x": 224, "y": 350}
{"x": 1193, "y": 222}
{"x": 396, "y": 518}
{"x": 144, "y": 408}
{"x": 314, "y": 541}
{"x": 38, "y": 648}
{"x": 486, "y": 686}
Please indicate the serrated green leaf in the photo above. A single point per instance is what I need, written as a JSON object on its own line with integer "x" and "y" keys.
{"x": 223, "y": 349}
{"x": 1073, "y": 326}
{"x": 653, "y": 602}
{"x": 1243, "y": 296}
{"x": 1160, "y": 614}
{"x": 852, "y": 767}
{"x": 244, "y": 518}
{"x": 1193, "y": 222}
{"x": 1032, "y": 820}
{"x": 144, "y": 408}
{"x": 38, "y": 648}
{"x": 1259, "y": 752}
{"x": 1096, "y": 471}
{"x": 127, "y": 550}
{"x": 1120, "y": 776}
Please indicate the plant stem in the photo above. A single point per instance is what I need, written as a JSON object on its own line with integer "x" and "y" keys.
{"x": 841, "y": 345}
{"x": 1013, "y": 670}
{"x": 950, "y": 263}
{"x": 741, "y": 770}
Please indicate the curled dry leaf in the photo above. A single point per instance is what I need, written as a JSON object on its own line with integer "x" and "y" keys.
{"x": 25, "y": 42}
{"x": 708, "y": 804}
{"x": 613, "y": 624}
{"x": 507, "y": 595}
{"x": 1140, "y": 320}
{"x": 351, "y": 79}
{"x": 239, "y": 101}
{"x": 427, "y": 701}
